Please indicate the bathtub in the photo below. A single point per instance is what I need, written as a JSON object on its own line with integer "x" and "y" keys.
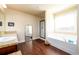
{"x": 6, "y": 39}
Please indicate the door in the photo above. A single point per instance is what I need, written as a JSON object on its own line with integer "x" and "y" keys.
{"x": 42, "y": 29}
{"x": 28, "y": 32}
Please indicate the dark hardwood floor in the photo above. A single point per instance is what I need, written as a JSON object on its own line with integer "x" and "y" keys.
{"x": 37, "y": 47}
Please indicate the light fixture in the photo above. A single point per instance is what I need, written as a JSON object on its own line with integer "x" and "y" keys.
{"x": 4, "y": 6}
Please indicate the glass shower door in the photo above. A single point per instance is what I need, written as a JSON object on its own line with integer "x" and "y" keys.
{"x": 28, "y": 32}
{"x": 42, "y": 29}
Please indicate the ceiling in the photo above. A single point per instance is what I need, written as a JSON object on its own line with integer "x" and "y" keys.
{"x": 34, "y": 9}
{"x": 37, "y": 9}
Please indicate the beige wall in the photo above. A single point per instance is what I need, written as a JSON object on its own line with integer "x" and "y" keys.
{"x": 21, "y": 19}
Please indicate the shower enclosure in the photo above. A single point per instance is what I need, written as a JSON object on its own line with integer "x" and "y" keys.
{"x": 28, "y": 33}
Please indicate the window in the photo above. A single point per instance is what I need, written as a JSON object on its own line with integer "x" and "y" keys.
{"x": 66, "y": 21}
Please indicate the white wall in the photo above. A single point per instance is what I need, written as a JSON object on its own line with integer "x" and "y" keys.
{"x": 2, "y": 19}
{"x": 78, "y": 28}
{"x": 49, "y": 22}
{"x": 21, "y": 19}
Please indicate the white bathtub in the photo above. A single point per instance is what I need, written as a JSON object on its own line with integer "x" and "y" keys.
{"x": 8, "y": 41}
{"x": 5, "y": 39}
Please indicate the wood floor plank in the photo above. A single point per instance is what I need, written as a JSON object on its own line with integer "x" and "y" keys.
{"x": 37, "y": 47}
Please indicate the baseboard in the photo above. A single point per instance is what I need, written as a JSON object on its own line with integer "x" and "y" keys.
{"x": 21, "y": 42}
{"x": 34, "y": 38}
